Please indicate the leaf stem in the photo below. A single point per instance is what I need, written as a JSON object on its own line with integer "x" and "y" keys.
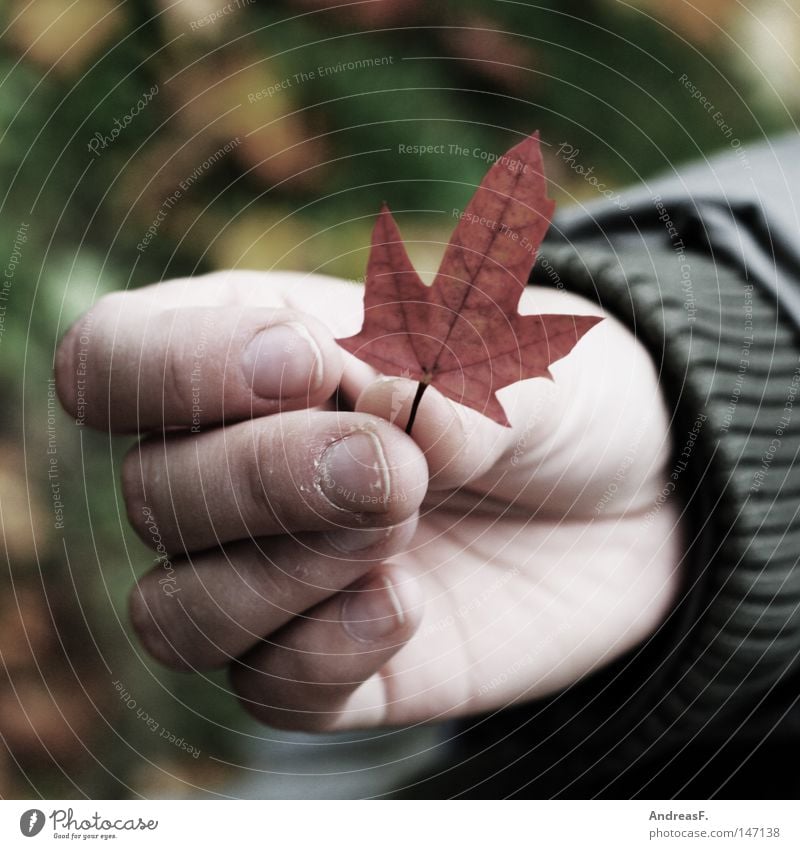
{"x": 421, "y": 387}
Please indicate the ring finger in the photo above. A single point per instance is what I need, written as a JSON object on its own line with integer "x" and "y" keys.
{"x": 201, "y": 612}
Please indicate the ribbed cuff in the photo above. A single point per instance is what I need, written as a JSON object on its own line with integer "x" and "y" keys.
{"x": 730, "y": 371}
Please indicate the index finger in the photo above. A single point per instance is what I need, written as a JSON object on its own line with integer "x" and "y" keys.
{"x": 191, "y": 354}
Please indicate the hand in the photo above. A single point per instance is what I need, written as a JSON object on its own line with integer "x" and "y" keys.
{"x": 349, "y": 574}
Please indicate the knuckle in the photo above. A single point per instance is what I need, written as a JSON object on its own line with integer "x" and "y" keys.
{"x": 132, "y": 484}
{"x": 183, "y": 328}
{"x": 145, "y": 618}
{"x": 176, "y": 380}
{"x": 141, "y": 614}
{"x": 66, "y": 372}
{"x": 75, "y": 380}
{"x": 266, "y": 509}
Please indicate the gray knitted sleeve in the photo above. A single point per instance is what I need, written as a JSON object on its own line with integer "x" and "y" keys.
{"x": 729, "y": 364}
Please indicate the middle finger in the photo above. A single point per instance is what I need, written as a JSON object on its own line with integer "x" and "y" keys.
{"x": 300, "y": 471}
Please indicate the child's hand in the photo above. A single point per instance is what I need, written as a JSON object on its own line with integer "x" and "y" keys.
{"x": 287, "y": 526}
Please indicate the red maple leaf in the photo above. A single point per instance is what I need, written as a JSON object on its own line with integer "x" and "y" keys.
{"x": 464, "y": 334}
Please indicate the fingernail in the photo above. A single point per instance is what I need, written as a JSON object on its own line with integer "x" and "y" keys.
{"x": 372, "y": 611}
{"x": 283, "y": 361}
{"x": 349, "y": 540}
{"x": 354, "y": 474}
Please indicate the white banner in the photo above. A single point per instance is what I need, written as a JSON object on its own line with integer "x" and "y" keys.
{"x": 401, "y": 825}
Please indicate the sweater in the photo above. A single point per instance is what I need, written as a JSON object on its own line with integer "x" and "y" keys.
{"x": 704, "y": 267}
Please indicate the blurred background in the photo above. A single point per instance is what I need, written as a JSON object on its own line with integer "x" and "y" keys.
{"x": 149, "y": 139}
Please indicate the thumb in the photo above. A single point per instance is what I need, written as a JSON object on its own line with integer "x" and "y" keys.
{"x": 459, "y": 444}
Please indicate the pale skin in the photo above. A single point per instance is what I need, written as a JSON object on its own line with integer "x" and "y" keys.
{"x": 461, "y": 569}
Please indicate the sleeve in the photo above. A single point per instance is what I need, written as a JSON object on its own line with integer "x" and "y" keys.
{"x": 730, "y": 370}
{"x": 710, "y": 288}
